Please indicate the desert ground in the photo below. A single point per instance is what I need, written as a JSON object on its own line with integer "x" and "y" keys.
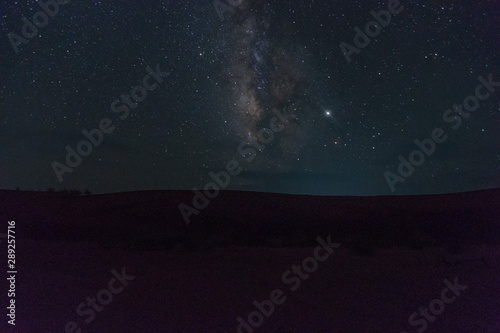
{"x": 375, "y": 280}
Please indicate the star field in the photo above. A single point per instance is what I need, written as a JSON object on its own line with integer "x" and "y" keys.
{"x": 347, "y": 122}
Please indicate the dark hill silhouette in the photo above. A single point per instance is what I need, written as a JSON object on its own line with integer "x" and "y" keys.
{"x": 152, "y": 220}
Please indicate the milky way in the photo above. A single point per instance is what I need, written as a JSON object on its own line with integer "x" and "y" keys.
{"x": 265, "y": 74}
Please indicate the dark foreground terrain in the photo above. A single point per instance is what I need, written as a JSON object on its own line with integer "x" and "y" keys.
{"x": 128, "y": 262}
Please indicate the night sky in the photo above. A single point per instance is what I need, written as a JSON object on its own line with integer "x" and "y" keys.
{"x": 343, "y": 124}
